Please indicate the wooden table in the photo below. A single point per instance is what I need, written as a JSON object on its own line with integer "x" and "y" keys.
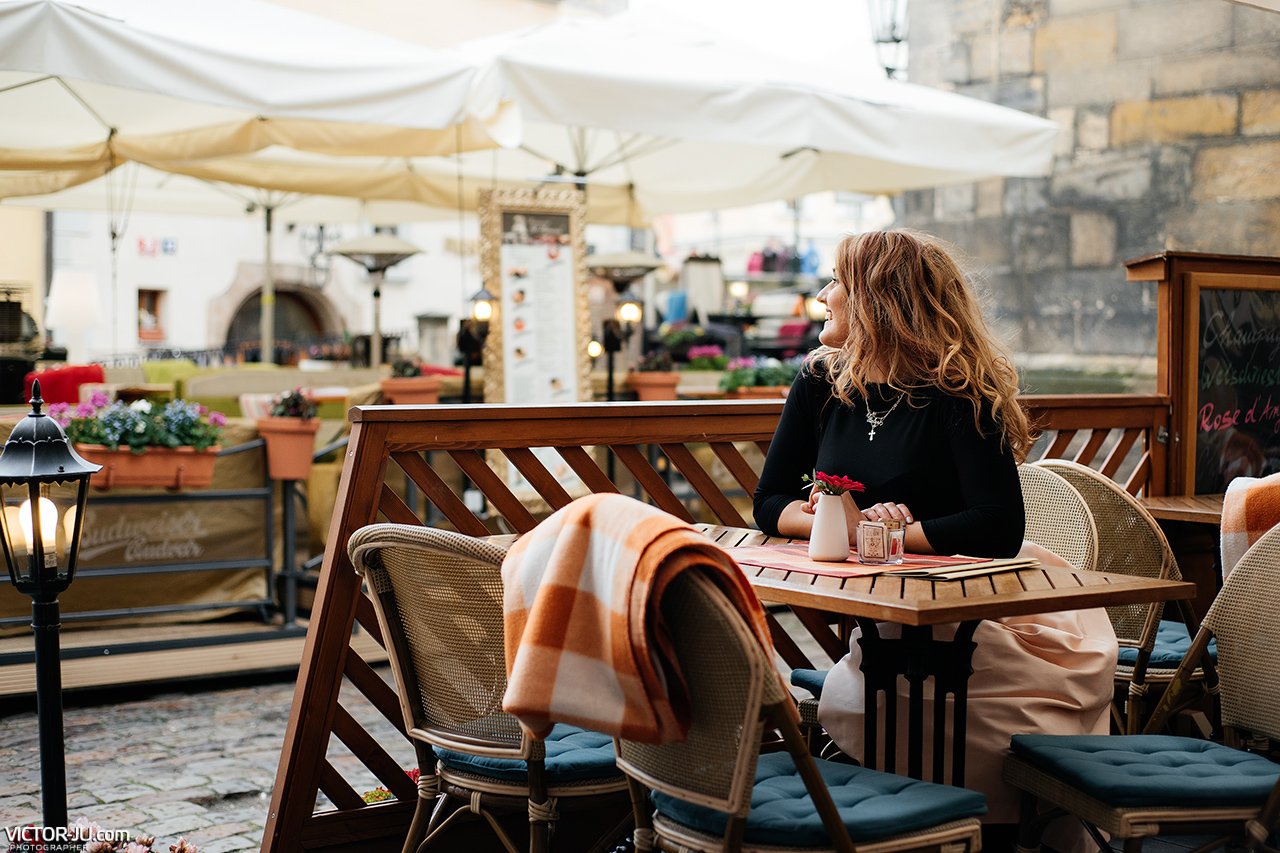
{"x": 1191, "y": 524}
{"x": 917, "y": 605}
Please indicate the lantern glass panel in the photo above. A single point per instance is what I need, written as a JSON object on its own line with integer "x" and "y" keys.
{"x": 40, "y": 523}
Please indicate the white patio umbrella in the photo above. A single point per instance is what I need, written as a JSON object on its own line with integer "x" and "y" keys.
{"x": 656, "y": 117}
{"x": 89, "y": 85}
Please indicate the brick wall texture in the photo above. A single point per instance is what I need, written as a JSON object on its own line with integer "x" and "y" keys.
{"x": 1170, "y": 117}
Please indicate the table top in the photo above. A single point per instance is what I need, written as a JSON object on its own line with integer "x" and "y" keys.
{"x": 1200, "y": 509}
{"x": 916, "y": 601}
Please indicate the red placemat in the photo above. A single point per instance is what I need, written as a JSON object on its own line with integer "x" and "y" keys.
{"x": 794, "y": 557}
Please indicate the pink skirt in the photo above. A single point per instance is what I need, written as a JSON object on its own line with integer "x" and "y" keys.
{"x": 1050, "y": 673}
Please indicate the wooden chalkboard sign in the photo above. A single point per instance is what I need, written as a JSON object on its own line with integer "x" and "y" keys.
{"x": 1216, "y": 354}
{"x": 1237, "y": 378}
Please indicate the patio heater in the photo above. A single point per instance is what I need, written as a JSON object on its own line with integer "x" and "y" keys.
{"x": 44, "y": 486}
{"x": 376, "y": 253}
{"x": 472, "y": 333}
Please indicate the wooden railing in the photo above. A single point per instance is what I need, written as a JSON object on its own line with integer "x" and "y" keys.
{"x": 696, "y": 460}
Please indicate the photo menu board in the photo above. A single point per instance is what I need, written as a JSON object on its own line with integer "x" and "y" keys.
{"x": 533, "y": 259}
{"x": 1237, "y": 416}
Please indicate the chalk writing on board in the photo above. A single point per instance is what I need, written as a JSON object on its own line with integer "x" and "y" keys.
{"x": 1237, "y": 429}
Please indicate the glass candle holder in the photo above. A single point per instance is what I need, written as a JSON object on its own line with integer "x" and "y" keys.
{"x": 881, "y": 542}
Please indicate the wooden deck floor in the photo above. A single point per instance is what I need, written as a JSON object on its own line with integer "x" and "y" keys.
{"x": 108, "y": 657}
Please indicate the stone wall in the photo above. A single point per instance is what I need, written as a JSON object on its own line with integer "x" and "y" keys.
{"x": 1170, "y": 116}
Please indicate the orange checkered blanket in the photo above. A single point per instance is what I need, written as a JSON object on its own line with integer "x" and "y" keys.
{"x": 1250, "y": 508}
{"x": 584, "y": 639}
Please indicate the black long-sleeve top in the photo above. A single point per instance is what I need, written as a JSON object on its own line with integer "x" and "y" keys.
{"x": 960, "y": 482}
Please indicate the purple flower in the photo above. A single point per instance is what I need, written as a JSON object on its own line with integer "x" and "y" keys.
{"x": 217, "y": 419}
{"x": 98, "y": 399}
{"x": 84, "y": 410}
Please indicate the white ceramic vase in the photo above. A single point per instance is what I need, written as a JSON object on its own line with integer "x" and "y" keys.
{"x": 829, "y": 541}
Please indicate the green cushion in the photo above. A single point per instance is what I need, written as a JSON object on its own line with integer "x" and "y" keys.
{"x": 1151, "y": 770}
{"x": 573, "y": 755}
{"x": 810, "y": 679}
{"x": 169, "y": 371}
{"x": 872, "y": 804}
{"x": 1172, "y": 644}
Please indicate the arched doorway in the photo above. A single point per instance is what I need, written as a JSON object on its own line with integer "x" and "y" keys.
{"x": 299, "y": 327}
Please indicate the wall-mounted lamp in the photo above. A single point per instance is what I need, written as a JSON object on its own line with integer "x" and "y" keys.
{"x": 472, "y": 333}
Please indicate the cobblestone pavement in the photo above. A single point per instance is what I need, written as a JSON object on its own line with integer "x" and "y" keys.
{"x": 197, "y": 763}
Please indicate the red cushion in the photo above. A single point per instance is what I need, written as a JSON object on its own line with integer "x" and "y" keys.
{"x": 62, "y": 384}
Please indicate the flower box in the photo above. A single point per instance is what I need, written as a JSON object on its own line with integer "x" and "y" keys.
{"x": 291, "y": 443}
{"x": 412, "y": 390}
{"x": 654, "y": 384}
{"x": 165, "y": 467}
{"x": 771, "y": 392}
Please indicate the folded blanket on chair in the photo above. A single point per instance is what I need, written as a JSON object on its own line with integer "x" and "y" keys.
{"x": 584, "y": 640}
{"x": 1250, "y": 508}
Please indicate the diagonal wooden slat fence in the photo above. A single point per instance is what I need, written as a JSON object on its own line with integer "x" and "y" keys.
{"x": 697, "y": 460}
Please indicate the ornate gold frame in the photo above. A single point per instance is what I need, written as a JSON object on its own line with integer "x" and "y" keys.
{"x": 495, "y": 202}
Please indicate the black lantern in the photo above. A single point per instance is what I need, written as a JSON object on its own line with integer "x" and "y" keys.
{"x": 472, "y": 332}
{"x": 45, "y": 486}
{"x": 627, "y": 314}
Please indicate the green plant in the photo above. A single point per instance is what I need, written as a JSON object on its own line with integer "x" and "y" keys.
{"x": 656, "y": 362}
{"x": 406, "y": 367}
{"x": 755, "y": 371}
{"x": 293, "y": 404}
{"x": 141, "y": 424}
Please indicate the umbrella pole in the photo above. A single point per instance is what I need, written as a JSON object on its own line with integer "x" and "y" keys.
{"x": 267, "y": 327}
{"x": 375, "y": 340}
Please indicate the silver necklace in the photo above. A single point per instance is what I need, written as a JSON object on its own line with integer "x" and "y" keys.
{"x": 876, "y": 419}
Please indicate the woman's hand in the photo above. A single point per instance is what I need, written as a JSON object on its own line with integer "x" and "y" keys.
{"x": 883, "y": 511}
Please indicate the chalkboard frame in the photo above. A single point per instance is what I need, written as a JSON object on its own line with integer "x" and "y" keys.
{"x": 1194, "y": 283}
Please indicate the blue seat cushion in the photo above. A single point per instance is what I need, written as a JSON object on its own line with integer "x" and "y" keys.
{"x": 1172, "y": 644}
{"x": 810, "y": 679}
{"x": 573, "y": 755}
{"x": 1151, "y": 770}
{"x": 871, "y": 804}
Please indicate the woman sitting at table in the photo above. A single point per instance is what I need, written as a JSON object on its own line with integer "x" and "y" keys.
{"x": 911, "y": 395}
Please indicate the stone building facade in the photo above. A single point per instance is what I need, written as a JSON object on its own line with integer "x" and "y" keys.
{"x": 1170, "y": 117}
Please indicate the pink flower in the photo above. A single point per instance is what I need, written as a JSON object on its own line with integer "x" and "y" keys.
{"x": 98, "y": 399}
{"x": 217, "y": 419}
{"x": 85, "y": 410}
{"x": 834, "y": 484}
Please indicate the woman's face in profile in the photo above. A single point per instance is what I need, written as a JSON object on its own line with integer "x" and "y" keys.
{"x": 835, "y": 329}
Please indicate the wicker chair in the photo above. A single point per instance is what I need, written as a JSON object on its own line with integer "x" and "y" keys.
{"x": 715, "y": 791}
{"x": 1130, "y": 542}
{"x": 1058, "y": 519}
{"x": 438, "y": 597}
{"x": 1138, "y": 786}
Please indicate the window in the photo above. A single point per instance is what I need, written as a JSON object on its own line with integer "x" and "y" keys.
{"x": 150, "y": 315}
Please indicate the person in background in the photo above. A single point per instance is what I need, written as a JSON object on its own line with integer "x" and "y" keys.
{"x": 912, "y": 395}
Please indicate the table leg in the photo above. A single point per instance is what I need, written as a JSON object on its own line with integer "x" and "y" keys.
{"x": 917, "y": 656}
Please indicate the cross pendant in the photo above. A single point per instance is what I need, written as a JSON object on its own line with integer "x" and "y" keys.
{"x": 871, "y": 436}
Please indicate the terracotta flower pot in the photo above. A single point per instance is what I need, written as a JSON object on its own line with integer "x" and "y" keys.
{"x": 772, "y": 392}
{"x": 654, "y": 385}
{"x": 166, "y": 467}
{"x": 291, "y": 442}
{"x": 412, "y": 390}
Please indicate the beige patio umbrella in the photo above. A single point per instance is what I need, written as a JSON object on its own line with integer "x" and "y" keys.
{"x": 88, "y": 86}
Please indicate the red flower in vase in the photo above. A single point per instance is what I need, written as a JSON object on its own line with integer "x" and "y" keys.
{"x": 833, "y": 484}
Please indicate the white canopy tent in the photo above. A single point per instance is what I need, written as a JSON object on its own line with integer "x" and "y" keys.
{"x": 89, "y": 85}
{"x": 656, "y": 117}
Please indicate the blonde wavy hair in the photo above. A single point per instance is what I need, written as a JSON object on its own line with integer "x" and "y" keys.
{"x": 912, "y": 315}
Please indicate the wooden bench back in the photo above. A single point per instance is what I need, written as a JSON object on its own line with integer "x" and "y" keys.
{"x": 715, "y": 447}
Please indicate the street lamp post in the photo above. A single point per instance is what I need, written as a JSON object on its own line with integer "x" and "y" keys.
{"x": 376, "y": 253}
{"x": 617, "y": 331}
{"x": 44, "y": 486}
